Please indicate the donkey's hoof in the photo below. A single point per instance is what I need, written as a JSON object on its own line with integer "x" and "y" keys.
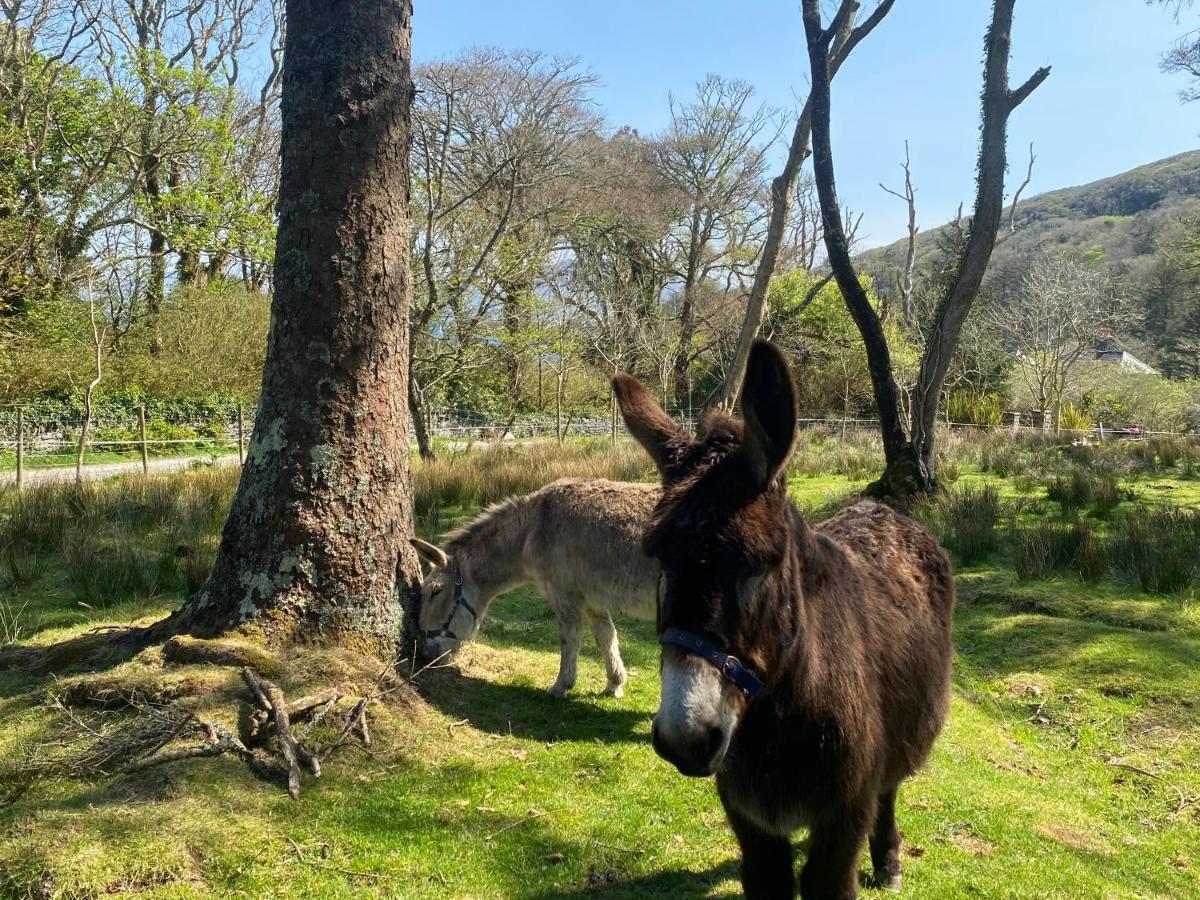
{"x": 557, "y": 691}
{"x": 889, "y": 881}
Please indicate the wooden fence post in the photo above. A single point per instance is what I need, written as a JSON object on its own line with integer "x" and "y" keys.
{"x": 20, "y": 448}
{"x": 145, "y": 448}
{"x": 241, "y": 431}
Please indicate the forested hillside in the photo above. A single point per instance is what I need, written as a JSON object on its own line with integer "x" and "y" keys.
{"x": 1120, "y": 219}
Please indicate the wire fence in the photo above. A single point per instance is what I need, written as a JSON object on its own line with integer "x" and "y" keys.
{"x": 30, "y": 442}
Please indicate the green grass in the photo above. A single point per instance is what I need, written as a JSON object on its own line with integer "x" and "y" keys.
{"x": 8, "y": 458}
{"x": 1074, "y": 734}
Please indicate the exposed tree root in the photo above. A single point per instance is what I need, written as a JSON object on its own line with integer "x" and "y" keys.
{"x": 184, "y": 650}
{"x": 162, "y": 731}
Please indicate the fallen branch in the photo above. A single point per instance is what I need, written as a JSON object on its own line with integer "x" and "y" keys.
{"x": 306, "y": 705}
{"x": 270, "y": 697}
{"x": 358, "y": 713}
{"x": 219, "y": 741}
{"x": 533, "y": 814}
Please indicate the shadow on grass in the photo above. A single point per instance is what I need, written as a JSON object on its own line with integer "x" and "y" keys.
{"x": 998, "y": 642}
{"x": 670, "y": 883}
{"x": 529, "y": 712}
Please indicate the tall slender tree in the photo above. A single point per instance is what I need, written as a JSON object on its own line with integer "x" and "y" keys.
{"x": 909, "y": 452}
{"x": 845, "y": 35}
{"x": 316, "y": 540}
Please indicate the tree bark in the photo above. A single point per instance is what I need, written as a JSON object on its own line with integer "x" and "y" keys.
{"x": 316, "y": 546}
{"x": 909, "y": 458}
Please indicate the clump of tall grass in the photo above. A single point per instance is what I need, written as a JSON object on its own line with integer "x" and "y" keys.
{"x": 1109, "y": 494}
{"x": 965, "y": 519}
{"x": 12, "y": 621}
{"x": 1038, "y": 551}
{"x": 1002, "y": 459}
{"x": 1072, "y": 491}
{"x": 194, "y": 561}
{"x": 485, "y": 476}
{"x": 106, "y": 567}
{"x": 1157, "y": 548}
{"x": 1091, "y": 553}
{"x": 858, "y": 455}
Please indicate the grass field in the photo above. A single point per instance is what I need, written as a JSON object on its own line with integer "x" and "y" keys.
{"x": 1070, "y": 766}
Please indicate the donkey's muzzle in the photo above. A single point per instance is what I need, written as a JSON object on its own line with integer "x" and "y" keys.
{"x": 697, "y": 756}
{"x": 436, "y": 649}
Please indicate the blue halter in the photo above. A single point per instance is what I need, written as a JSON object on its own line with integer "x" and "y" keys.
{"x": 728, "y": 665}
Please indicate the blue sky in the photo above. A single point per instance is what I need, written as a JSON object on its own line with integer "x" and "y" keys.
{"x": 1105, "y": 108}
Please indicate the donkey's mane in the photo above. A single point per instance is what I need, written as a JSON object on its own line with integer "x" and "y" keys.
{"x": 718, "y": 436}
{"x": 484, "y": 524}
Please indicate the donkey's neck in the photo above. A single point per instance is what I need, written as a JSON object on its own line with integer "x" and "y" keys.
{"x": 491, "y": 549}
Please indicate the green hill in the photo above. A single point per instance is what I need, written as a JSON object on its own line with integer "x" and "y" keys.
{"x": 1119, "y": 218}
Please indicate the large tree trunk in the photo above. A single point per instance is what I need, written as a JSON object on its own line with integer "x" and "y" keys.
{"x": 910, "y": 458}
{"x": 316, "y": 541}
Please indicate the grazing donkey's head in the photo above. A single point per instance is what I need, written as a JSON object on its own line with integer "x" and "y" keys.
{"x": 450, "y": 607}
{"x": 721, "y": 530}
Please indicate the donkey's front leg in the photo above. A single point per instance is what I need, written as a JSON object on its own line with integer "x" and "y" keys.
{"x": 605, "y": 634}
{"x": 766, "y": 861}
{"x": 570, "y": 635}
{"x": 831, "y": 872}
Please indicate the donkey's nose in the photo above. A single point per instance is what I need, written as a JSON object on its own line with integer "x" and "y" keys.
{"x": 432, "y": 650}
{"x": 696, "y": 754}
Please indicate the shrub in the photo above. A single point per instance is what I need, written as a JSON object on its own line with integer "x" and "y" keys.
{"x": 964, "y": 520}
{"x": 986, "y": 410}
{"x": 1073, "y": 418}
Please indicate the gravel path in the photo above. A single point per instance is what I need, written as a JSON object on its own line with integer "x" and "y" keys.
{"x": 108, "y": 470}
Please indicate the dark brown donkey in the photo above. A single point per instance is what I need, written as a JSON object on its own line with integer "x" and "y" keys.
{"x": 808, "y": 668}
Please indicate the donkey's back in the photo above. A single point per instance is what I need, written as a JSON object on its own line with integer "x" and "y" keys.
{"x": 900, "y": 586}
{"x": 583, "y": 544}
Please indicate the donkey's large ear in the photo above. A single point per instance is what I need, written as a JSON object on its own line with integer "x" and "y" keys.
{"x": 769, "y": 410}
{"x": 648, "y": 422}
{"x": 431, "y": 554}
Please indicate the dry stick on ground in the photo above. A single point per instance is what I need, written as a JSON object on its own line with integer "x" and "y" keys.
{"x": 1184, "y": 800}
{"x": 300, "y": 857}
{"x": 317, "y": 719}
{"x": 358, "y": 712}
